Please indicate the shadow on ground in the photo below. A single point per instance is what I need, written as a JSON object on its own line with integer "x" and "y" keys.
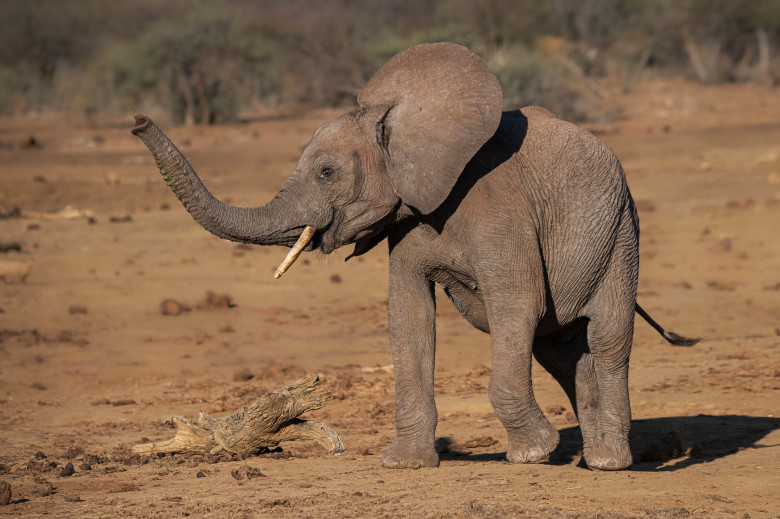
{"x": 656, "y": 442}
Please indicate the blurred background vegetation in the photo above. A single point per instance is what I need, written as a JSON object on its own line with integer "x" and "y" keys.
{"x": 203, "y": 61}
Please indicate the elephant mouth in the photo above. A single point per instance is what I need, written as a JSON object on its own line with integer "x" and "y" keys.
{"x": 310, "y": 238}
{"x": 325, "y": 238}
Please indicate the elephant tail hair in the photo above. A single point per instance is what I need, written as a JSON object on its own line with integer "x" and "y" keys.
{"x": 671, "y": 337}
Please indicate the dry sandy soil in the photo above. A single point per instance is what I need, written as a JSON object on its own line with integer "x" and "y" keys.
{"x": 89, "y": 366}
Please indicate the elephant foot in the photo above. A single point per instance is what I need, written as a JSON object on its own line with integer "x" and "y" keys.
{"x": 609, "y": 455}
{"x": 409, "y": 456}
{"x": 532, "y": 445}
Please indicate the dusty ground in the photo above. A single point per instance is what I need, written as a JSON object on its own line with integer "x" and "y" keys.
{"x": 89, "y": 366}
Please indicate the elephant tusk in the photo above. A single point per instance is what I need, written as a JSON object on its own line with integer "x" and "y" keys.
{"x": 306, "y": 236}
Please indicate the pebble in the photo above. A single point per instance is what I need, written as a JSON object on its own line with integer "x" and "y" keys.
{"x": 247, "y": 472}
{"x": 77, "y": 309}
{"x": 242, "y": 375}
{"x": 42, "y": 490}
{"x": 172, "y": 307}
{"x": 68, "y": 470}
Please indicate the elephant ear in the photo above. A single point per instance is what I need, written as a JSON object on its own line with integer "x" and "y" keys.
{"x": 441, "y": 104}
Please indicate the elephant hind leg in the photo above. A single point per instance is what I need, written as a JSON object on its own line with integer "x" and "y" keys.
{"x": 568, "y": 359}
{"x": 606, "y": 447}
{"x": 610, "y": 332}
{"x": 596, "y": 383}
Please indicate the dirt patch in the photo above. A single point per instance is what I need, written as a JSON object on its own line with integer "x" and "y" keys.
{"x": 91, "y": 363}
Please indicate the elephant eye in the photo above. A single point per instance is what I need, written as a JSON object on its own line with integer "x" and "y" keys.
{"x": 326, "y": 172}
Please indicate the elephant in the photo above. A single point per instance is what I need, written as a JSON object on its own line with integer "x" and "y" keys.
{"x": 525, "y": 220}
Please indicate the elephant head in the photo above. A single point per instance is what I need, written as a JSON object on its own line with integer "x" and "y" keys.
{"x": 419, "y": 121}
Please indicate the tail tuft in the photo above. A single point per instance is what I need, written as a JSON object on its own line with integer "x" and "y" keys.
{"x": 677, "y": 340}
{"x": 671, "y": 337}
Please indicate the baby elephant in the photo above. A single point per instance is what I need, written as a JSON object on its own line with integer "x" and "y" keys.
{"x": 525, "y": 220}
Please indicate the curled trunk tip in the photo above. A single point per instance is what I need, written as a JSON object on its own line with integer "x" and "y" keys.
{"x": 141, "y": 123}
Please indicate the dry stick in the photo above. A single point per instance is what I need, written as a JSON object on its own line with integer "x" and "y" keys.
{"x": 271, "y": 419}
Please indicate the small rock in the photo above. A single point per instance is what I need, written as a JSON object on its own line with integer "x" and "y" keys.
{"x": 77, "y": 309}
{"x": 93, "y": 459}
{"x": 73, "y": 451}
{"x": 85, "y": 466}
{"x": 38, "y": 386}
{"x": 40, "y": 455}
{"x": 555, "y": 410}
{"x": 34, "y": 227}
{"x": 173, "y": 307}
{"x": 479, "y": 370}
{"x": 667, "y": 449}
{"x": 10, "y": 212}
{"x": 456, "y": 449}
{"x": 14, "y": 272}
{"x": 5, "y": 493}
{"x": 214, "y": 300}
{"x": 246, "y": 472}
{"x": 45, "y": 489}
{"x": 67, "y": 470}
{"x": 335, "y": 278}
{"x": 482, "y": 441}
{"x": 121, "y": 219}
{"x": 73, "y": 498}
{"x": 200, "y": 474}
{"x": 694, "y": 451}
{"x": 243, "y": 375}
{"x": 32, "y": 144}
{"x": 10, "y": 246}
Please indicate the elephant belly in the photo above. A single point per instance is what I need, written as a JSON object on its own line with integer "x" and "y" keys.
{"x": 469, "y": 303}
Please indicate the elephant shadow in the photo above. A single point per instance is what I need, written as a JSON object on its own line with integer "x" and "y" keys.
{"x": 658, "y": 444}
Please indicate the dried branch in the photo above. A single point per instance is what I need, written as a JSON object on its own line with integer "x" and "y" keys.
{"x": 270, "y": 420}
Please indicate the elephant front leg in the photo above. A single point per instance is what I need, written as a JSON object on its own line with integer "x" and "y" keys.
{"x": 412, "y": 312}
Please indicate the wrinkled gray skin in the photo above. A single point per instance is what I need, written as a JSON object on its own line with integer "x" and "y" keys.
{"x": 525, "y": 220}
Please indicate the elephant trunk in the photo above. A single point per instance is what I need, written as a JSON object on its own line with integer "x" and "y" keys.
{"x": 256, "y": 225}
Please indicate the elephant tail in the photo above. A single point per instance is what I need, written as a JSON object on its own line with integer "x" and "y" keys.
{"x": 671, "y": 337}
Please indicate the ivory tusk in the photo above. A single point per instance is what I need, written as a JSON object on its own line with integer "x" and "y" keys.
{"x": 306, "y": 236}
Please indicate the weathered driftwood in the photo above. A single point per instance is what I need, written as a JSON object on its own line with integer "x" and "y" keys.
{"x": 271, "y": 419}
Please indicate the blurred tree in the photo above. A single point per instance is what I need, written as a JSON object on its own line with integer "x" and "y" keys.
{"x": 207, "y": 64}
{"x": 203, "y": 61}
